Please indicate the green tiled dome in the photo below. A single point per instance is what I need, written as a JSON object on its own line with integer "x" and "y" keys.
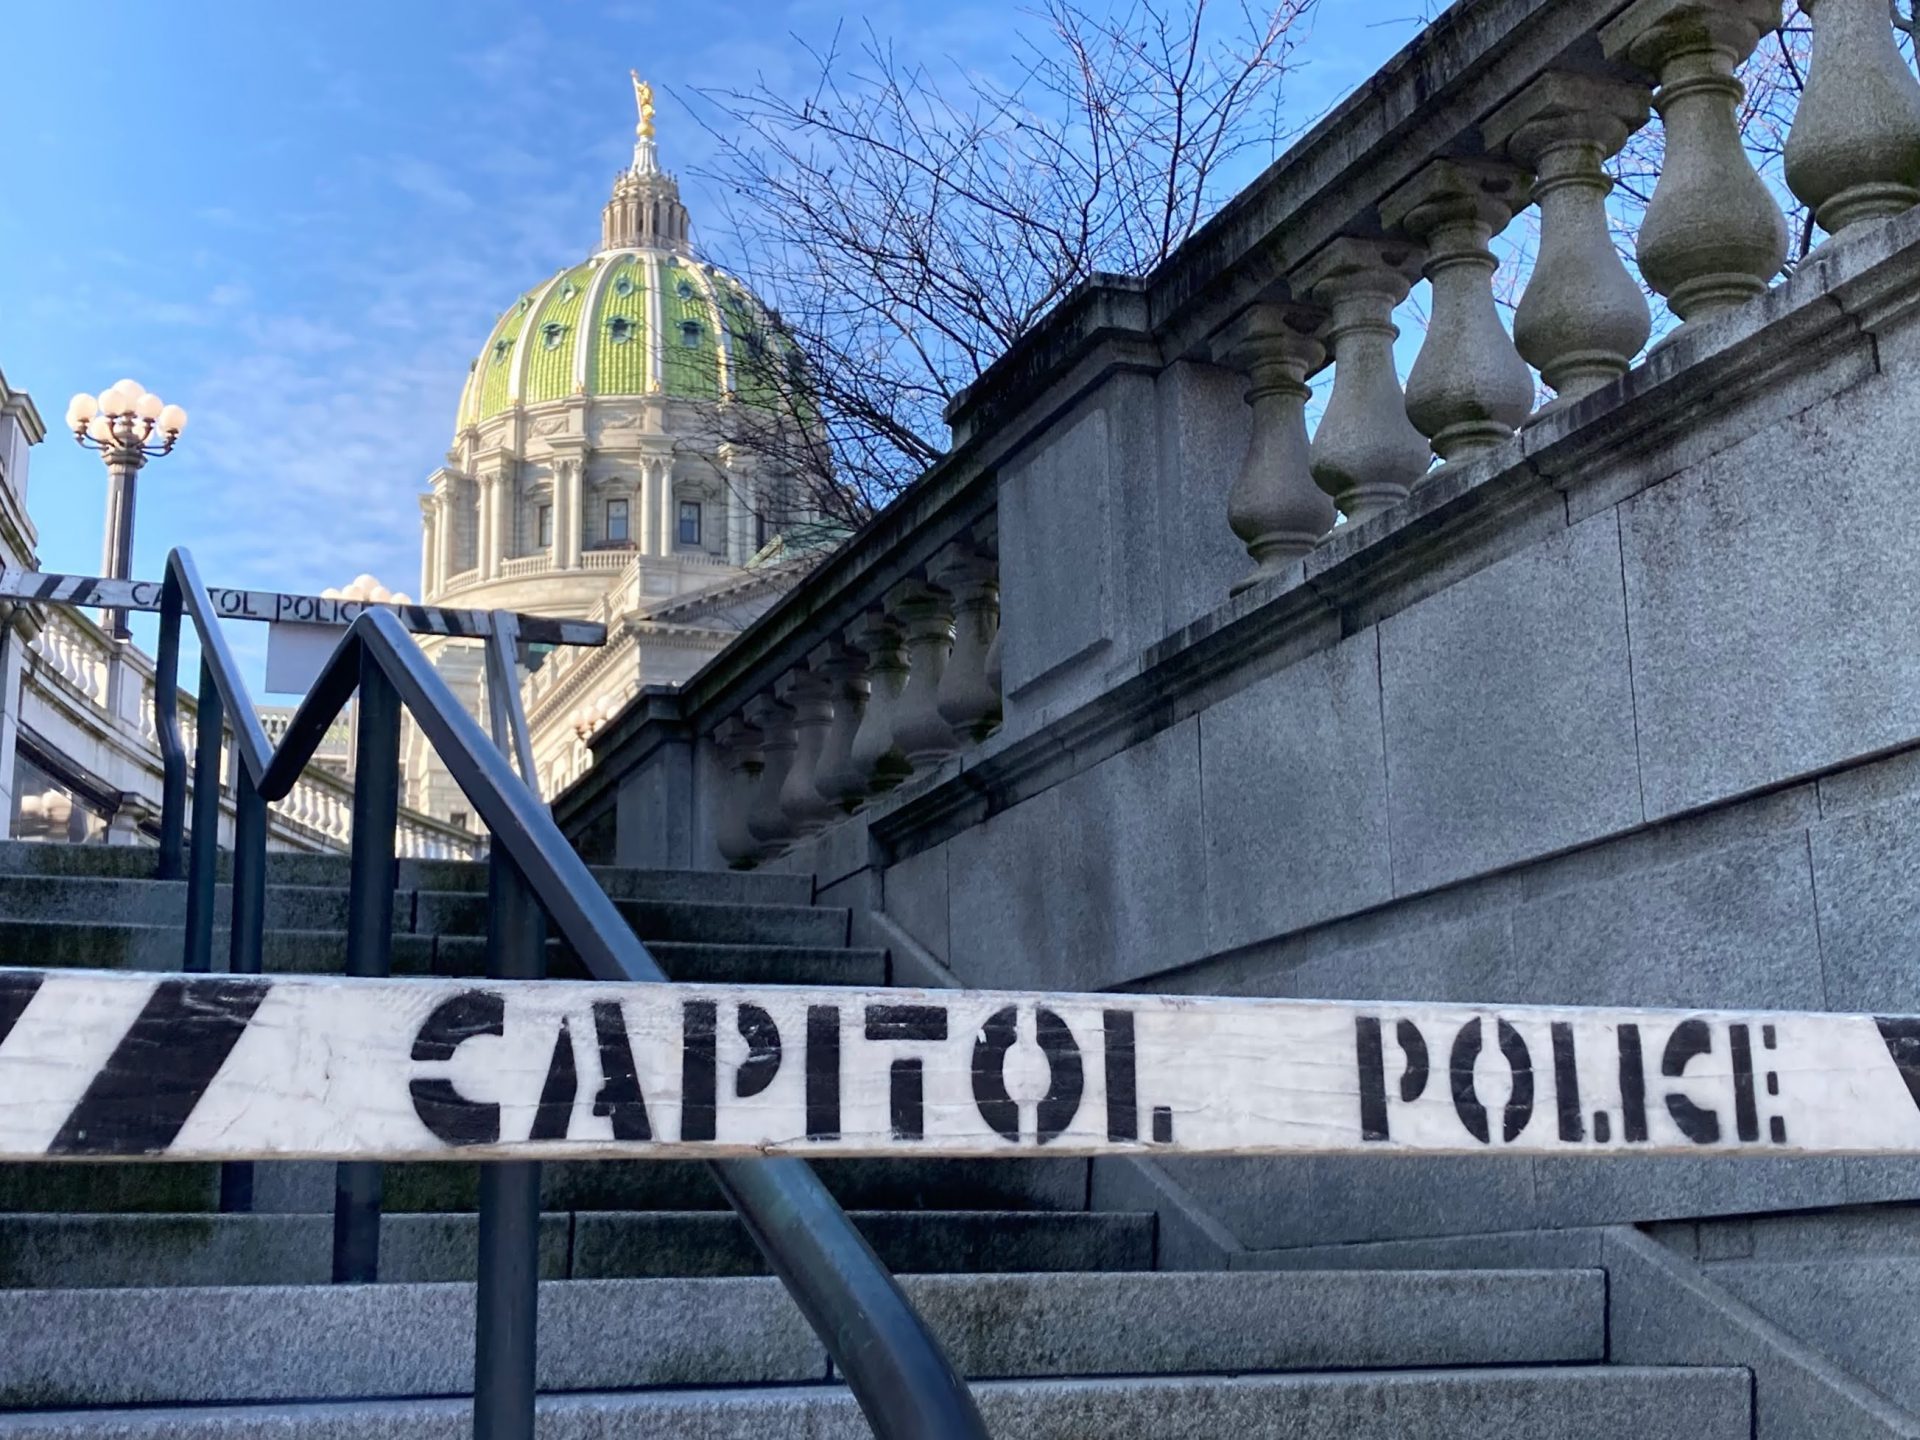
{"x": 591, "y": 330}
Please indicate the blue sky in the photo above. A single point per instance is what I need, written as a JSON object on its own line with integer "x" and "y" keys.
{"x": 300, "y": 222}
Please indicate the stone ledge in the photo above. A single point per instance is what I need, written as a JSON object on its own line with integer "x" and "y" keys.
{"x": 1459, "y": 520}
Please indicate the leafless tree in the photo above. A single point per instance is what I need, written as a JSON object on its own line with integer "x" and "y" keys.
{"x": 911, "y": 222}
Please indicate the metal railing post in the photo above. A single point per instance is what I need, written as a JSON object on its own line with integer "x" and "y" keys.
{"x": 203, "y": 859}
{"x": 166, "y": 729}
{"x": 506, "y": 1332}
{"x": 370, "y": 882}
{"x": 244, "y": 944}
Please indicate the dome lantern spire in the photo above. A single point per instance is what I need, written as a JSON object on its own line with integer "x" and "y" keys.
{"x": 645, "y": 209}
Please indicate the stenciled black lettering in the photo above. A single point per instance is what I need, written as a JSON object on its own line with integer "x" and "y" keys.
{"x": 1690, "y": 1038}
{"x": 1746, "y": 1111}
{"x": 1413, "y": 1076}
{"x": 699, "y": 1069}
{"x": 1633, "y": 1085}
{"x": 620, "y": 1096}
{"x": 451, "y": 1116}
{"x": 1067, "y": 1082}
{"x": 1066, "y": 1079}
{"x": 1466, "y": 1100}
{"x": 823, "y": 1072}
{"x": 1566, "y": 1083}
{"x": 762, "y": 1035}
{"x": 998, "y": 1108}
{"x": 555, "y": 1113}
{"x": 906, "y": 1085}
{"x": 1123, "y": 1091}
{"x": 1373, "y": 1078}
{"x": 907, "y": 1100}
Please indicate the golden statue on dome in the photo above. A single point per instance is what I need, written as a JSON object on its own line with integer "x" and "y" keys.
{"x": 643, "y": 97}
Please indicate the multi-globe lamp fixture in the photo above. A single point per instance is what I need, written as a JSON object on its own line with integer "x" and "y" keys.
{"x": 129, "y": 425}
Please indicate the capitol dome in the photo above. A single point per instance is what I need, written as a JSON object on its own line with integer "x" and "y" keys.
{"x": 623, "y": 450}
{"x": 640, "y": 316}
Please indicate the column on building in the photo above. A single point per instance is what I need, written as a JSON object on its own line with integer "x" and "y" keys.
{"x": 446, "y": 534}
{"x": 557, "y": 516}
{"x": 568, "y": 516}
{"x": 664, "y": 498}
{"x": 489, "y": 527}
{"x": 429, "y": 546}
{"x": 646, "y": 525}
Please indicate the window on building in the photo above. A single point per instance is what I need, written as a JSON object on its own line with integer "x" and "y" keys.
{"x": 616, "y": 520}
{"x": 690, "y": 332}
{"x": 689, "y": 522}
{"x": 552, "y": 334}
{"x": 620, "y": 329}
{"x": 760, "y": 529}
{"x": 543, "y": 523}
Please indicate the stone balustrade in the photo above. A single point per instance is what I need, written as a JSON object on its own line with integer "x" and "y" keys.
{"x": 92, "y": 699}
{"x": 1712, "y": 239}
{"x": 898, "y": 693}
{"x": 1149, "y": 452}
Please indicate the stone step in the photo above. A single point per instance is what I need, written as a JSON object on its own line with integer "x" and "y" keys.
{"x": 100, "y": 945}
{"x": 77, "y": 1187}
{"x": 30, "y": 857}
{"x": 89, "y": 1251}
{"x": 67, "y": 898}
{"x": 1552, "y": 1403}
{"x": 323, "y": 1342}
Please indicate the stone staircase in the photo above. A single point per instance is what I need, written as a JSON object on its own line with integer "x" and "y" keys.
{"x": 130, "y": 1307}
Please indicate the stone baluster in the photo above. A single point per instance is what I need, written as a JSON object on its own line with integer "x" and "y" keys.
{"x": 739, "y": 747}
{"x": 1713, "y": 236}
{"x": 1365, "y": 452}
{"x": 920, "y": 731}
{"x": 1854, "y": 151}
{"x": 1469, "y": 389}
{"x": 838, "y": 779}
{"x": 767, "y": 821}
{"x": 875, "y": 757}
{"x": 810, "y": 697}
{"x": 968, "y": 701}
{"x": 1275, "y": 507}
{"x": 1583, "y": 317}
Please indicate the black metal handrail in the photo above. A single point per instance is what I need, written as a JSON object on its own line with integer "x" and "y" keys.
{"x": 903, "y": 1381}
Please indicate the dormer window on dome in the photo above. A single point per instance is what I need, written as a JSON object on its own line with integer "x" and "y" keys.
{"x": 501, "y": 349}
{"x": 552, "y": 334}
{"x": 620, "y": 329}
{"x": 690, "y": 333}
{"x": 623, "y": 284}
{"x": 684, "y": 290}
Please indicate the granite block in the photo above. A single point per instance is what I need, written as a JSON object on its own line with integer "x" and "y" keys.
{"x": 1057, "y": 600}
{"x": 1773, "y": 595}
{"x": 1866, "y": 872}
{"x": 1729, "y": 929}
{"x": 1088, "y": 883}
{"x": 1024, "y": 1325}
{"x": 1586, "y": 1403}
{"x": 914, "y": 896}
{"x": 352, "y": 1341}
{"x": 1509, "y": 712}
{"x": 1294, "y": 793}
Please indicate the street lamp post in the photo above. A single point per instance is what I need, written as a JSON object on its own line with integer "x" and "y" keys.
{"x": 121, "y": 423}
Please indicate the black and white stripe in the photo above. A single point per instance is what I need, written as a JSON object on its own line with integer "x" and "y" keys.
{"x": 102, "y": 1064}
{"x": 275, "y": 607}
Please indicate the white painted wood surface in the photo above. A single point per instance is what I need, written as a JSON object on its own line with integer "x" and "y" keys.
{"x": 214, "y": 1067}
